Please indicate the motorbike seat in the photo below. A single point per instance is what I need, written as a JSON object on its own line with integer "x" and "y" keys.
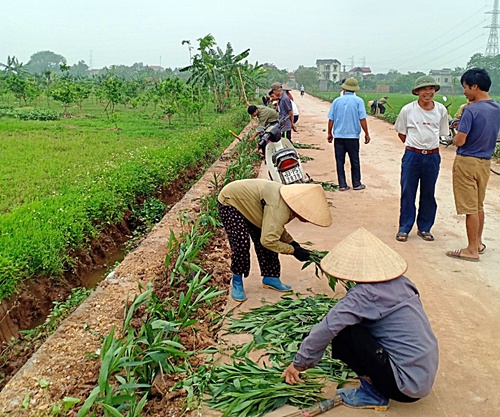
{"x": 284, "y": 153}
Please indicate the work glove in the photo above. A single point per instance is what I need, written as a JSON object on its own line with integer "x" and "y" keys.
{"x": 301, "y": 254}
{"x": 295, "y": 244}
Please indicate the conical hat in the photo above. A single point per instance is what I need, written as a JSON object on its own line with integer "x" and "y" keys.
{"x": 309, "y": 202}
{"x": 362, "y": 257}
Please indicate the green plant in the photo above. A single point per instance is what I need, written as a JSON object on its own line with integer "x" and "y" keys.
{"x": 246, "y": 389}
{"x": 315, "y": 259}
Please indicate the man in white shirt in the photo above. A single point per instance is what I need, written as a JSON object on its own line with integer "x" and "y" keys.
{"x": 419, "y": 125}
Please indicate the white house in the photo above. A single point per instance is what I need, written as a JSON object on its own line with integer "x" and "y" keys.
{"x": 443, "y": 77}
{"x": 328, "y": 69}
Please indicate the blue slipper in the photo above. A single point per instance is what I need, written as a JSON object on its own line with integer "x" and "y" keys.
{"x": 366, "y": 396}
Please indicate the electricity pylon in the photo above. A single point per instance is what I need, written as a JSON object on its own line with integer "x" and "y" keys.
{"x": 492, "y": 46}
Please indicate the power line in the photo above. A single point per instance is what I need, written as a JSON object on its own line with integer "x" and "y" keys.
{"x": 435, "y": 48}
{"x": 433, "y": 41}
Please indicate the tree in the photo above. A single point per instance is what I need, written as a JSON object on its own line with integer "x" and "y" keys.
{"x": 18, "y": 81}
{"x": 215, "y": 69}
{"x": 275, "y": 75}
{"x": 64, "y": 89}
{"x": 405, "y": 83}
{"x": 307, "y": 76}
{"x": 45, "y": 60}
{"x": 79, "y": 70}
{"x": 490, "y": 64}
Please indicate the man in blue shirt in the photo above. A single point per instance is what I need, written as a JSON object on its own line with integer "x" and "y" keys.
{"x": 379, "y": 329}
{"x": 476, "y": 140}
{"x": 346, "y": 118}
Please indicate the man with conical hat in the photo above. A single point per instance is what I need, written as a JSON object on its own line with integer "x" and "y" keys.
{"x": 259, "y": 209}
{"x": 379, "y": 328}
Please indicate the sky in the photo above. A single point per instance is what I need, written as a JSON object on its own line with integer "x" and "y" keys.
{"x": 383, "y": 35}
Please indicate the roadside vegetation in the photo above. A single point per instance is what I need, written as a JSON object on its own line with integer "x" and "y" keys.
{"x": 156, "y": 358}
{"x": 79, "y": 152}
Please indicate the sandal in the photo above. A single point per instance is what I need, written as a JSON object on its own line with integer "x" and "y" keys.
{"x": 426, "y": 236}
{"x": 457, "y": 254}
{"x": 483, "y": 248}
{"x": 402, "y": 237}
{"x": 344, "y": 188}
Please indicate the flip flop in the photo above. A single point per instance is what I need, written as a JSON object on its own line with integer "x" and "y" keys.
{"x": 344, "y": 188}
{"x": 457, "y": 255}
{"x": 426, "y": 236}
{"x": 360, "y": 187}
{"x": 482, "y": 249}
{"x": 402, "y": 237}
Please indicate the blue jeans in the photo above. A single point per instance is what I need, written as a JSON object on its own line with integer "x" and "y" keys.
{"x": 424, "y": 169}
{"x": 351, "y": 147}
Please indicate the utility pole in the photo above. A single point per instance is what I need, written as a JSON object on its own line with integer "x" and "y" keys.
{"x": 90, "y": 60}
{"x": 492, "y": 46}
{"x": 352, "y": 62}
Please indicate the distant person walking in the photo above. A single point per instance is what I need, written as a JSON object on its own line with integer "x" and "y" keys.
{"x": 302, "y": 90}
{"x": 346, "y": 118}
{"x": 419, "y": 125}
{"x": 476, "y": 140}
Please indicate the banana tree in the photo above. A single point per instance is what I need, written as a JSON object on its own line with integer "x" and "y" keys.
{"x": 215, "y": 69}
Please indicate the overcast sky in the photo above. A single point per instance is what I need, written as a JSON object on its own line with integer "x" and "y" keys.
{"x": 385, "y": 34}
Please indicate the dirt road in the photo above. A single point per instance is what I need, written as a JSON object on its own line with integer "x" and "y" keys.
{"x": 461, "y": 298}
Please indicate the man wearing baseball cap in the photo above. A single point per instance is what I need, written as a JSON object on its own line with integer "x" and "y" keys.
{"x": 419, "y": 125}
{"x": 379, "y": 329}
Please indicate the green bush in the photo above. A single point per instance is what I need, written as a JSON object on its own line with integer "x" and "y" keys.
{"x": 36, "y": 114}
{"x": 28, "y": 113}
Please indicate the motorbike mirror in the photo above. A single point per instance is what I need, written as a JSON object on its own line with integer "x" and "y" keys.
{"x": 445, "y": 98}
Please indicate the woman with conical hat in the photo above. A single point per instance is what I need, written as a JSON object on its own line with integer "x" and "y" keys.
{"x": 259, "y": 209}
{"x": 379, "y": 328}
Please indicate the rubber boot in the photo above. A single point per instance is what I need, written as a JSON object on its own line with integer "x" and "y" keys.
{"x": 275, "y": 284}
{"x": 237, "y": 290}
{"x": 366, "y": 396}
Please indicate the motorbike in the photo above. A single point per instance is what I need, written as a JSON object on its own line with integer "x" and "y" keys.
{"x": 452, "y": 125}
{"x": 282, "y": 160}
{"x": 448, "y": 139}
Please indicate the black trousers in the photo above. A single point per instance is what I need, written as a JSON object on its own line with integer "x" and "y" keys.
{"x": 362, "y": 353}
{"x": 351, "y": 147}
{"x": 239, "y": 232}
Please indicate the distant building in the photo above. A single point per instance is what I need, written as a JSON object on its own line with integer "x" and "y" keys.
{"x": 156, "y": 67}
{"x": 328, "y": 70}
{"x": 360, "y": 72}
{"x": 444, "y": 78}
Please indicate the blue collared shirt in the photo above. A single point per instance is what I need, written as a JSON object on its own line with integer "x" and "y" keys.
{"x": 346, "y": 111}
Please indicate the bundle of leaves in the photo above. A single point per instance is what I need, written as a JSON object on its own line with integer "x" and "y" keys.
{"x": 315, "y": 259}
{"x": 245, "y": 389}
{"x": 279, "y": 329}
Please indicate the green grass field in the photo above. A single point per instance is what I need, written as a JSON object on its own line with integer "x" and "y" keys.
{"x": 399, "y": 100}
{"x": 63, "y": 181}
